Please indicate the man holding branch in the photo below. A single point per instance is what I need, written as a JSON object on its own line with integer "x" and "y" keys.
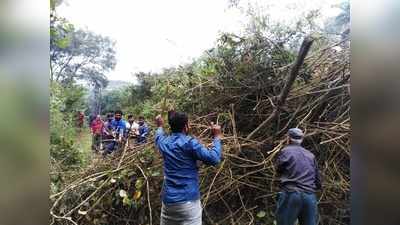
{"x": 180, "y": 193}
{"x": 300, "y": 179}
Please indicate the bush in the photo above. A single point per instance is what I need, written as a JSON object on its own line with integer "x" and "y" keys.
{"x": 64, "y": 153}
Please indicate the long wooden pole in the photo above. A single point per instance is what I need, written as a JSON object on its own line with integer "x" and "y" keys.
{"x": 164, "y": 104}
{"x": 305, "y": 47}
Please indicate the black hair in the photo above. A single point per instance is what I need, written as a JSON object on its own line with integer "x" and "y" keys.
{"x": 141, "y": 117}
{"x": 130, "y": 116}
{"x": 109, "y": 115}
{"x": 118, "y": 112}
{"x": 171, "y": 113}
{"x": 177, "y": 121}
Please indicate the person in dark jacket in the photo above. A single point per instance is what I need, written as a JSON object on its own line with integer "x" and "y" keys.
{"x": 299, "y": 180}
{"x": 180, "y": 152}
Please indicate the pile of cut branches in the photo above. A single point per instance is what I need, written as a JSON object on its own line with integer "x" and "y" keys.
{"x": 255, "y": 112}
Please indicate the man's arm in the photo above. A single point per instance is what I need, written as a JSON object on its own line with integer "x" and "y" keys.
{"x": 106, "y": 130}
{"x": 160, "y": 134}
{"x": 281, "y": 162}
{"x": 318, "y": 182}
{"x": 122, "y": 127}
{"x": 145, "y": 132}
{"x": 210, "y": 156}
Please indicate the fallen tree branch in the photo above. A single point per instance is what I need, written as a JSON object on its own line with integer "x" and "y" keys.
{"x": 305, "y": 47}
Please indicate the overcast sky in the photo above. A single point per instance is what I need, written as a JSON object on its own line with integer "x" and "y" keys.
{"x": 154, "y": 34}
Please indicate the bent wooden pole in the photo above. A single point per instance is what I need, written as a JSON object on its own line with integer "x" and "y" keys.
{"x": 305, "y": 47}
{"x": 164, "y": 109}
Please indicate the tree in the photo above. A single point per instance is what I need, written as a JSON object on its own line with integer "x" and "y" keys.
{"x": 340, "y": 24}
{"x": 80, "y": 55}
{"x": 77, "y": 54}
{"x": 112, "y": 100}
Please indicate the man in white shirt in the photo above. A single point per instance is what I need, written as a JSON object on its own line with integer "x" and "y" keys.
{"x": 132, "y": 128}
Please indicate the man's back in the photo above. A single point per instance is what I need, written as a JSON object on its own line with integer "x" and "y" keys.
{"x": 298, "y": 169}
{"x": 180, "y": 193}
{"x": 180, "y": 169}
{"x": 180, "y": 153}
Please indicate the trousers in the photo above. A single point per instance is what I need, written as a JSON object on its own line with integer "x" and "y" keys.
{"x": 96, "y": 140}
{"x": 292, "y": 206}
{"x": 187, "y": 213}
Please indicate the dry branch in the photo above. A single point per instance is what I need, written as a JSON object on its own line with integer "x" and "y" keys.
{"x": 305, "y": 47}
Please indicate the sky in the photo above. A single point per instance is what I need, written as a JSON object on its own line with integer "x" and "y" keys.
{"x": 155, "y": 34}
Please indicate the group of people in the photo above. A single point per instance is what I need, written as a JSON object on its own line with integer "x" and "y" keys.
{"x": 297, "y": 167}
{"x": 112, "y": 132}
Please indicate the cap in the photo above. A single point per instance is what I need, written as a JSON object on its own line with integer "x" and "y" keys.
{"x": 295, "y": 133}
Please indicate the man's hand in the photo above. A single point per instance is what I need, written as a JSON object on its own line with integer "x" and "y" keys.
{"x": 216, "y": 130}
{"x": 159, "y": 121}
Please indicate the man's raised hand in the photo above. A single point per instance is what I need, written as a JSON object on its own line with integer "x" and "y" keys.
{"x": 159, "y": 121}
{"x": 216, "y": 130}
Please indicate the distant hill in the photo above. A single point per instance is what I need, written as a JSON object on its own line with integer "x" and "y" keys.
{"x": 116, "y": 84}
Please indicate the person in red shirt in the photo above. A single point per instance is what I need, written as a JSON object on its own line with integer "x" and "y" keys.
{"x": 97, "y": 129}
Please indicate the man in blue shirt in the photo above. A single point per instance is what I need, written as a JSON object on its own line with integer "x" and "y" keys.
{"x": 180, "y": 192}
{"x": 300, "y": 179}
{"x": 118, "y": 126}
{"x": 143, "y": 131}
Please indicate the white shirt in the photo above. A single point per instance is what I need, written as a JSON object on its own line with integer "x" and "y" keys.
{"x": 135, "y": 126}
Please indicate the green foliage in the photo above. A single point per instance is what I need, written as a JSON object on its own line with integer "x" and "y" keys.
{"x": 54, "y": 4}
{"x": 111, "y": 101}
{"x": 74, "y": 55}
{"x": 237, "y": 64}
{"x": 74, "y": 98}
{"x": 261, "y": 214}
{"x": 77, "y": 54}
{"x": 63, "y": 102}
{"x": 251, "y": 59}
{"x": 63, "y": 42}
{"x": 60, "y": 32}
{"x": 135, "y": 99}
{"x": 80, "y": 55}
{"x": 339, "y": 24}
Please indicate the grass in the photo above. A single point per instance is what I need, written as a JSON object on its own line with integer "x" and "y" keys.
{"x": 84, "y": 143}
